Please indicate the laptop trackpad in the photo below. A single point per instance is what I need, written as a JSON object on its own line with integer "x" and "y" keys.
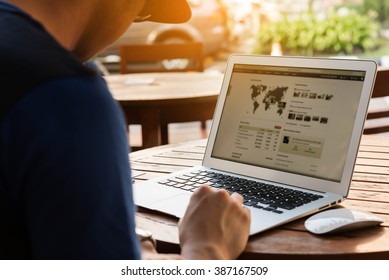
{"x": 175, "y": 205}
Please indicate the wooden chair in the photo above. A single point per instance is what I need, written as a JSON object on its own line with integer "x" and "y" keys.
{"x": 147, "y": 58}
{"x": 378, "y": 113}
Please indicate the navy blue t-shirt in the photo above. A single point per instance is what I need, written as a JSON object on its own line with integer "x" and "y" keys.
{"x": 65, "y": 186}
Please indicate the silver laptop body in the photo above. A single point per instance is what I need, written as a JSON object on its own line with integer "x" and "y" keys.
{"x": 292, "y": 122}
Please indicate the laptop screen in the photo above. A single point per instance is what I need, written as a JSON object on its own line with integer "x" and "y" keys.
{"x": 298, "y": 120}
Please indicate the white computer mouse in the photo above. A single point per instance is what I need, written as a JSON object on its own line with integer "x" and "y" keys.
{"x": 340, "y": 219}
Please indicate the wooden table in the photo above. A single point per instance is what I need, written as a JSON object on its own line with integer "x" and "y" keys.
{"x": 155, "y": 99}
{"x": 369, "y": 191}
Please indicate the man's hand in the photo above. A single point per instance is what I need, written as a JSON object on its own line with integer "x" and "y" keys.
{"x": 215, "y": 225}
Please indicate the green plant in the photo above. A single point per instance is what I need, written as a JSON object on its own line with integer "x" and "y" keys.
{"x": 344, "y": 31}
{"x": 381, "y": 7}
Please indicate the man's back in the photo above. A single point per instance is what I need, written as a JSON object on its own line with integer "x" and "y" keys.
{"x": 64, "y": 172}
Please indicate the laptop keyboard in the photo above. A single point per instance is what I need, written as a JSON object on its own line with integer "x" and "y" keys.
{"x": 263, "y": 196}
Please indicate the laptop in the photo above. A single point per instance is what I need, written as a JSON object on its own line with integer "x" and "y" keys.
{"x": 285, "y": 134}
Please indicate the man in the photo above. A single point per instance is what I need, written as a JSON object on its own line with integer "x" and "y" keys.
{"x": 65, "y": 190}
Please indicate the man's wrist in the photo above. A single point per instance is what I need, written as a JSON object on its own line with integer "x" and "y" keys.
{"x": 203, "y": 252}
{"x": 145, "y": 235}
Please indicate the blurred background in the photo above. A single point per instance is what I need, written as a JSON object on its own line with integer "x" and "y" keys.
{"x": 329, "y": 28}
{"x": 356, "y": 28}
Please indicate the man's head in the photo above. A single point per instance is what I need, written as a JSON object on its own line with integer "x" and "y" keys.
{"x": 86, "y": 26}
{"x": 114, "y": 17}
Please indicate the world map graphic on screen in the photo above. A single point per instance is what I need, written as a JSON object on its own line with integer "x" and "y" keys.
{"x": 271, "y": 96}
